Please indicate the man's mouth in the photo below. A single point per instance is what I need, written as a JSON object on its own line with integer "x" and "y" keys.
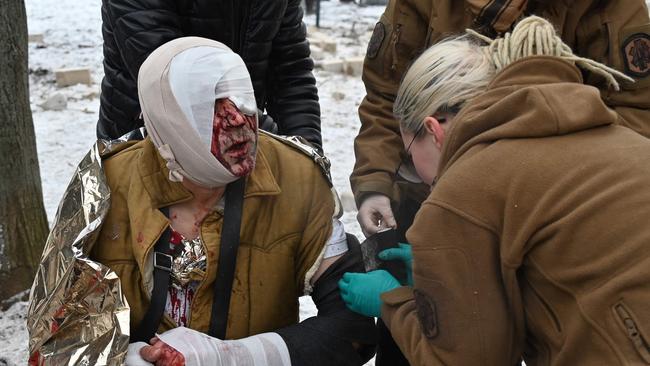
{"x": 238, "y": 149}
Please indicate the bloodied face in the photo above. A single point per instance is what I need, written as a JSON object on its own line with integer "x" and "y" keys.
{"x": 234, "y": 138}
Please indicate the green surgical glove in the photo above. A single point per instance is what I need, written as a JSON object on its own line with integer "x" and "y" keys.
{"x": 361, "y": 291}
{"x": 404, "y": 254}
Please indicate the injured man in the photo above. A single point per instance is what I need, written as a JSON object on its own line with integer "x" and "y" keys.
{"x": 214, "y": 229}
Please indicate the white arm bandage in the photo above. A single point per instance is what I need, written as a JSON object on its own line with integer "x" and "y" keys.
{"x": 266, "y": 349}
{"x": 337, "y": 243}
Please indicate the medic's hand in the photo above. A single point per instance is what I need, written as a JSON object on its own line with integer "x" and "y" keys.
{"x": 161, "y": 354}
{"x": 375, "y": 213}
{"x": 361, "y": 291}
{"x": 404, "y": 254}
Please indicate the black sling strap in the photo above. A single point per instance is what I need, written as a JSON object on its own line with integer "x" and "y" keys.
{"x": 227, "y": 258}
{"x": 162, "y": 264}
{"x": 234, "y": 200}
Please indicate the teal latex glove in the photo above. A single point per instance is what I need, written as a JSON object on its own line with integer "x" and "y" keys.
{"x": 361, "y": 291}
{"x": 404, "y": 254}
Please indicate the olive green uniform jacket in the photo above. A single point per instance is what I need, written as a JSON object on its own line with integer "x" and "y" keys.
{"x": 605, "y": 31}
{"x": 535, "y": 240}
{"x": 286, "y": 221}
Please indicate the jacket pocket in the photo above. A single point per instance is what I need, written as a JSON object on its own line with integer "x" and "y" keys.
{"x": 633, "y": 331}
{"x": 285, "y": 243}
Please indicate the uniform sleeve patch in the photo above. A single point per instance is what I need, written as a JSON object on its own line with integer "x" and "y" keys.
{"x": 636, "y": 53}
{"x": 426, "y": 312}
{"x": 376, "y": 40}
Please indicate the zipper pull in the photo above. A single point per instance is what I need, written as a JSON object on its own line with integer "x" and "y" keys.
{"x": 633, "y": 332}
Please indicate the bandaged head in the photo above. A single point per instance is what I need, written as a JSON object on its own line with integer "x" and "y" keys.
{"x": 199, "y": 108}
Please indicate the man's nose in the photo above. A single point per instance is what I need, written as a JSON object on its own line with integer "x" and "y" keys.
{"x": 236, "y": 120}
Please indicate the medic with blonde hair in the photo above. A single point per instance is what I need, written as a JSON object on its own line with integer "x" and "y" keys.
{"x": 533, "y": 243}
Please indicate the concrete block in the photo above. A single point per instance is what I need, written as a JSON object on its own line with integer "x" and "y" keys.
{"x": 316, "y": 52}
{"x": 35, "y": 38}
{"x": 331, "y": 65}
{"x": 67, "y": 77}
{"x": 311, "y": 29}
{"x": 353, "y": 65}
{"x": 322, "y": 40}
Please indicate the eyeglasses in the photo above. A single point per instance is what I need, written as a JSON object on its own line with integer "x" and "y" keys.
{"x": 415, "y": 136}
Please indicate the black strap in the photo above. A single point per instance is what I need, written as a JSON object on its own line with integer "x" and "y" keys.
{"x": 162, "y": 263}
{"x": 234, "y": 197}
{"x": 227, "y": 258}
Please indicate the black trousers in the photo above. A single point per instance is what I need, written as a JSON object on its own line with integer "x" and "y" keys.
{"x": 412, "y": 196}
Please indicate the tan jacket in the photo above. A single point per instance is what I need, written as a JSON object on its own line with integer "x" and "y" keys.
{"x": 605, "y": 33}
{"x": 535, "y": 240}
{"x": 287, "y": 219}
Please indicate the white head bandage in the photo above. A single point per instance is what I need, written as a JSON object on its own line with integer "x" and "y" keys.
{"x": 177, "y": 86}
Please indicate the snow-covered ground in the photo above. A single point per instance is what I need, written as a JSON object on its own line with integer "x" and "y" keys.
{"x": 72, "y": 38}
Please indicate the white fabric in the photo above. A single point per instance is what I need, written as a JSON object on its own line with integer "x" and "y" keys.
{"x": 266, "y": 349}
{"x": 200, "y": 75}
{"x": 133, "y": 357}
{"x": 337, "y": 243}
{"x": 177, "y": 87}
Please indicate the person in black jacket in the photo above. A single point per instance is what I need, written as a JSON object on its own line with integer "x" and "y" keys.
{"x": 269, "y": 35}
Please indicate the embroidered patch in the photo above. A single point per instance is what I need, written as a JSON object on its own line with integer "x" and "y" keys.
{"x": 376, "y": 40}
{"x": 636, "y": 53}
{"x": 426, "y": 311}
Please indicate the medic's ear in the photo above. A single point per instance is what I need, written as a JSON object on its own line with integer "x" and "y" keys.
{"x": 432, "y": 127}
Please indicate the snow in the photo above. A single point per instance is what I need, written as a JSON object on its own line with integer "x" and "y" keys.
{"x": 13, "y": 335}
{"x": 72, "y": 39}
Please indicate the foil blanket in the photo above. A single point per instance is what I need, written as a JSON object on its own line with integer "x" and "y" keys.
{"x": 77, "y": 312}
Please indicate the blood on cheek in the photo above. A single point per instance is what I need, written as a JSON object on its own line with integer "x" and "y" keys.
{"x": 230, "y": 127}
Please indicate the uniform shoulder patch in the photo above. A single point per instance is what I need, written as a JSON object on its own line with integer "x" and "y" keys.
{"x": 636, "y": 53}
{"x": 378, "y": 35}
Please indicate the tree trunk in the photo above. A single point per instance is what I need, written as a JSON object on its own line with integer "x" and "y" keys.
{"x": 23, "y": 223}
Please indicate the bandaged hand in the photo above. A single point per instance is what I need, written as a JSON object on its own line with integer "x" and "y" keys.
{"x": 161, "y": 354}
{"x": 133, "y": 357}
{"x": 199, "y": 349}
{"x": 375, "y": 213}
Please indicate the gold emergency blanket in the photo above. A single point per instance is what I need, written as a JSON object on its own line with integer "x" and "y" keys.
{"x": 77, "y": 313}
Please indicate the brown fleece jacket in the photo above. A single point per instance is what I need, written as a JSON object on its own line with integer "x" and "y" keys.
{"x": 535, "y": 241}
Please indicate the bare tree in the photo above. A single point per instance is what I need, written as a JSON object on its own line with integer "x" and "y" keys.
{"x": 23, "y": 223}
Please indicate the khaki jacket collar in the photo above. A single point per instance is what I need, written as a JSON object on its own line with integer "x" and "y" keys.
{"x": 163, "y": 192}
